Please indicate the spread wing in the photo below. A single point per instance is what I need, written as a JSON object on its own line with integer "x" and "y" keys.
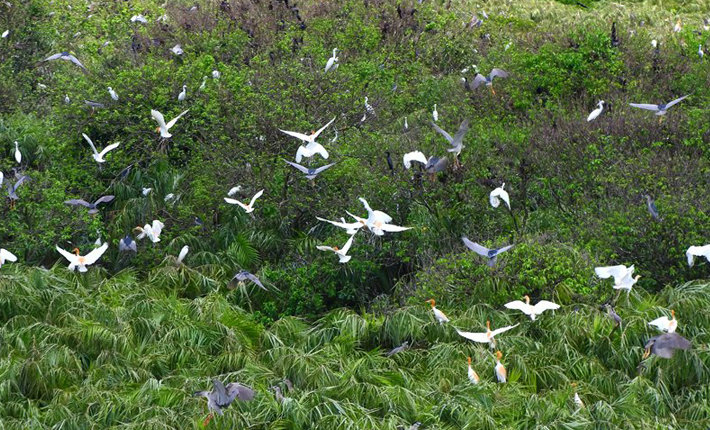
{"x": 476, "y": 337}
{"x": 20, "y": 182}
{"x": 393, "y": 228}
{"x": 442, "y": 132}
{"x": 109, "y": 148}
{"x": 301, "y": 136}
{"x": 53, "y": 57}
{"x": 236, "y": 202}
{"x": 220, "y": 393}
{"x": 544, "y": 305}
{"x": 458, "y": 137}
{"x": 255, "y": 280}
{"x": 317, "y": 148}
{"x": 298, "y": 166}
{"x": 414, "y": 156}
{"x": 240, "y": 392}
{"x": 618, "y": 272}
{"x": 91, "y": 143}
{"x": 676, "y": 101}
{"x": 661, "y": 323}
{"x": 157, "y": 227}
{"x": 95, "y": 254}
{"x": 325, "y": 248}
{"x": 68, "y": 255}
{"x": 174, "y": 120}
{"x": 473, "y": 246}
{"x": 699, "y": 251}
{"x": 498, "y": 73}
{"x": 519, "y": 306}
{"x": 78, "y": 202}
{"x": 76, "y": 61}
{"x": 158, "y": 117}
{"x": 315, "y": 136}
{"x": 478, "y": 80}
{"x": 347, "y": 245}
{"x": 645, "y": 106}
{"x": 502, "y": 329}
{"x": 322, "y": 168}
{"x": 502, "y": 250}
{"x": 6, "y": 255}
{"x": 256, "y": 196}
{"x": 103, "y": 199}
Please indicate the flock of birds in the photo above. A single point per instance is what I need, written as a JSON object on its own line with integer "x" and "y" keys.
{"x": 377, "y": 222}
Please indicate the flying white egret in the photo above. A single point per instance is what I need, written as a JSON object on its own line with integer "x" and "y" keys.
{"x": 183, "y": 253}
{"x": 310, "y": 150}
{"x": 18, "y": 154}
{"x": 99, "y": 156}
{"x": 488, "y": 336}
{"x": 340, "y": 252}
{"x": 162, "y": 126}
{"x": 530, "y": 310}
{"x": 660, "y": 109}
{"x": 350, "y": 228}
{"x": 472, "y": 375}
{"x": 501, "y": 373}
{"x": 665, "y": 324}
{"x": 623, "y": 276}
{"x": 247, "y": 208}
{"x": 596, "y": 112}
{"x": 440, "y": 316}
{"x": 114, "y": 96}
{"x": 499, "y": 194}
{"x": 76, "y": 260}
{"x": 152, "y": 232}
{"x": 183, "y": 93}
{"x": 435, "y": 113}
{"x": 5, "y": 256}
{"x": 697, "y": 251}
{"x": 378, "y": 221}
{"x": 332, "y": 61}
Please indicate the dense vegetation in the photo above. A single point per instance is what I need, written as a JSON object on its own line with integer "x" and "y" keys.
{"x": 125, "y": 345}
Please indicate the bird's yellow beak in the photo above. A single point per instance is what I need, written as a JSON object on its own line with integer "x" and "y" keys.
{"x": 527, "y": 299}
{"x": 646, "y": 353}
{"x": 499, "y": 355}
{"x": 469, "y": 361}
{"x": 488, "y": 325}
{"x": 672, "y": 313}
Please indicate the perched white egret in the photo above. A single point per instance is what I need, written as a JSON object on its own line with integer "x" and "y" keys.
{"x": 76, "y": 260}
{"x": 146, "y": 191}
{"x": 177, "y": 49}
{"x": 406, "y": 125}
{"x": 114, "y": 96}
{"x": 596, "y": 112}
{"x": 234, "y": 190}
{"x": 18, "y": 154}
{"x": 665, "y": 324}
{"x": 350, "y": 228}
{"x": 499, "y": 194}
{"x": 99, "y": 156}
{"x": 654, "y": 43}
{"x": 183, "y": 253}
{"x": 697, "y": 251}
{"x": 163, "y": 128}
{"x": 169, "y": 197}
{"x": 151, "y": 231}
{"x": 247, "y": 208}
{"x": 332, "y": 61}
{"x": 488, "y": 336}
{"x": 341, "y": 252}
{"x": 5, "y": 256}
{"x": 530, "y": 310}
{"x": 501, "y": 373}
{"x": 66, "y": 99}
{"x": 435, "y": 114}
{"x": 622, "y": 275}
{"x": 440, "y": 316}
{"x": 5, "y": 33}
{"x": 368, "y": 107}
{"x": 215, "y": 74}
{"x": 701, "y": 53}
{"x": 183, "y": 93}
{"x": 577, "y": 400}
{"x": 472, "y": 375}
{"x": 139, "y": 18}
{"x": 204, "y": 83}
{"x": 660, "y": 109}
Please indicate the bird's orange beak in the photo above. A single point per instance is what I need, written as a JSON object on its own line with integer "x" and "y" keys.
{"x": 499, "y": 355}
{"x": 672, "y": 313}
{"x": 488, "y": 325}
{"x": 75, "y": 251}
{"x": 469, "y": 361}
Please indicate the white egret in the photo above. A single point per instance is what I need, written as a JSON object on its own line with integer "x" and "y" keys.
{"x": 332, "y": 61}
{"x": 596, "y": 112}
{"x": 701, "y": 53}
{"x": 378, "y": 221}
{"x": 577, "y": 400}
{"x": 215, "y": 74}
{"x": 488, "y": 336}
{"x": 76, "y": 260}
{"x": 368, "y": 107}
{"x": 183, "y": 93}
{"x": 152, "y": 232}
{"x": 183, "y": 253}
{"x": 440, "y": 316}
{"x": 530, "y": 310}
{"x": 665, "y": 324}
{"x": 697, "y": 251}
{"x": 5, "y": 33}
{"x": 406, "y": 125}
{"x": 350, "y": 228}
{"x": 247, "y": 208}
{"x": 163, "y": 128}
{"x": 177, "y": 49}
{"x": 435, "y": 114}
{"x": 99, "y": 156}
{"x": 234, "y": 190}
{"x": 414, "y": 156}
{"x": 311, "y": 138}
{"x": 66, "y": 99}
{"x": 622, "y": 275}
{"x": 146, "y": 191}
{"x": 501, "y": 373}
{"x": 472, "y": 375}
{"x": 18, "y": 154}
{"x": 5, "y": 256}
{"x": 340, "y": 252}
{"x": 499, "y": 194}
{"x": 114, "y": 96}
{"x": 139, "y": 18}
{"x": 204, "y": 83}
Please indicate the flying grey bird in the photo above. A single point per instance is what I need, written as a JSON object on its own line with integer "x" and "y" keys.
{"x": 651, "y": 205}
{"x": 491, "y": 254}
{"x": 12, "y": 189}
{"x": 310, "y": 173}
{"x": 221, "y": 396}
{"x": 244, "y": 276}
{"x": 664, "y": 345}
{"x": 488, "y": 80}
{"x": 91, "y": 206}
{"x": 66, "y": 56}
{"x": 403, "y": 347}
{"x": 660, "y": 109}
{"x": 456, "y": 141}
{"x": 94, "y": 104}
{"x": 127, "y": 244}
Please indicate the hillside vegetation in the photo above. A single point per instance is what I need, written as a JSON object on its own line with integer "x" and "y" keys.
{"x": 127, "y": 343}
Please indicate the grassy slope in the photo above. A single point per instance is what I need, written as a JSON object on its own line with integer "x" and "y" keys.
{"x": 125, "y": 348}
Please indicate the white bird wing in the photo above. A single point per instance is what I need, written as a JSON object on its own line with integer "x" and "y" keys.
{"x": 645, "y": 106}
{"x": 618, "y": 272}
{"x": 502, "y": 330}
{"x": 6, "y": 255}
{"x": 519, "y": 306}
{"x": 476, "y": 337}
{"x": 183, "y": 253}
{"x": 357, "y": 218}
{"x": 325, "y": 248}
{"x": 317, "y": 133}
{"x": 109, "y": 148}
{"x": 158, "y": 117}
{"x": 329, "y": 64}
{"x": 256, "y": 196}
{"x": 91, "y": 143}
{"x": 661, "y": 323}
{"x": 344, "y": 250}
{"x": 414, "y": 156}
{"x": 317, "y": 148}
{"x": 380, "y": 216}
{"x": 676, "y": 101}
{"x": 442, "y": 132}
{"x": 595, "y": 113}
{"x": 698, "y": 251}
{"x": 301, "y": 136}
{"x": 68, "y": 255}
{"x": 174, "y": 120}
{"x": 95, "y": 254}
{"x": 497, "y": 195}
{"x": 393, "y": 228}
{"x": 544, "y": 305}
{"x": 157, "y": 227}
